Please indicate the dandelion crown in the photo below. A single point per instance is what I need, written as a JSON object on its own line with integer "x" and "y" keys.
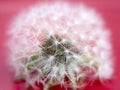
{"x": 54, "y": 44}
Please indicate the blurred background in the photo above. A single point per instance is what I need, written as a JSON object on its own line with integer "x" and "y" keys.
{"x": 110, "y": 11}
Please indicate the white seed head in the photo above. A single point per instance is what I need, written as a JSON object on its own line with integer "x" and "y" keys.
{"x": 56, "y": 43}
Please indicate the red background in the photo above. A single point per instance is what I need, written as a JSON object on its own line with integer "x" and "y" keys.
{"x": 109, "y": 9}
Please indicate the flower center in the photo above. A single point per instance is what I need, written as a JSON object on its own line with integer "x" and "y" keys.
{"x": 61, "y": 49}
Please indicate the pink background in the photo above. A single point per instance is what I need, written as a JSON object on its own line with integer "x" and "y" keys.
{"x": 110, "y": 11}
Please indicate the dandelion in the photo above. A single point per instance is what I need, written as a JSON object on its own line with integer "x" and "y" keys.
{"x": 65, "y": 45}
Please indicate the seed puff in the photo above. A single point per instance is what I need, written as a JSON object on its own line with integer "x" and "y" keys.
{"x": 60, "y": 44}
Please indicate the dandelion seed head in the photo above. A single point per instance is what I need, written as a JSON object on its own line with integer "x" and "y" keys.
{"x": 59, "y": 42}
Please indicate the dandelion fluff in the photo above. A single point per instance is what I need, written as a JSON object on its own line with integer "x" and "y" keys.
{"x": 59, "y": 41}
